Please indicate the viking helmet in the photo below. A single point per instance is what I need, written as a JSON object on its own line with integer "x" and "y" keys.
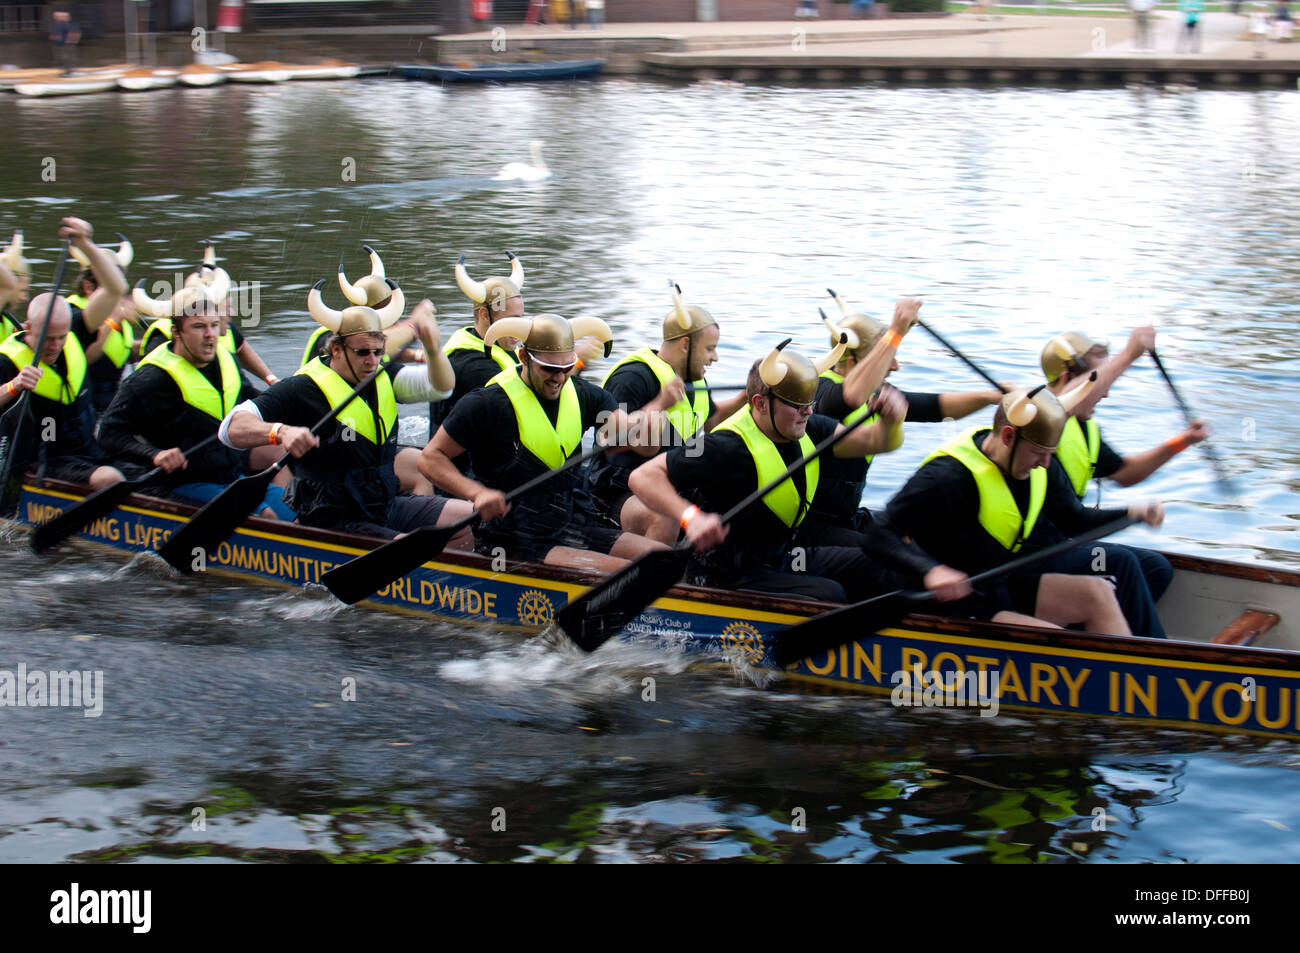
{"x": 123, "y": 256}
{"x": 684, "y": 319}
{"x": 358, "y": 319}
{"x": 1040, "y": 415}
{"x": 548, "y": 334}
{"x": 187, "y": 300}
{"x": 493, "y": 292}
{"x": 862, "y": 329}
{"x": 12, "y": 256}
{"x": 791, "y": 376}
{"x": 370, "y": 289}
{"x": 1066, "y": 352}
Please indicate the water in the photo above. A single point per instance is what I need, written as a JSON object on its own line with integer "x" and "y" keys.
{"x": 1016, "y": 213}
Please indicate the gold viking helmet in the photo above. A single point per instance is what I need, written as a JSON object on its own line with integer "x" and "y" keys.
{"x": 358, "y": 319}
{"x": 13, "y": 258}
{"x": 1066, "y": 352}
{"x": 792, "y": 377}
{"x": 495, "y": 291}
{"x": 186, "y": 300}
{"x": 369, "y": 290}
{"x": 1040, "y": 415}
{"x": 861, "y": 328}
{"x": 123, "y": 256}
{"x": 684, "y": 319}
{"x": 550, "y": 334}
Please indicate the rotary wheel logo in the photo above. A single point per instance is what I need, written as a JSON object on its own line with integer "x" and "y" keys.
{"x": 535, "y": 608}
{"x": 743, "y": 639}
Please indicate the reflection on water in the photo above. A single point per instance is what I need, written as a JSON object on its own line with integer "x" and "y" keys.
{"x": 1016, "y": 213}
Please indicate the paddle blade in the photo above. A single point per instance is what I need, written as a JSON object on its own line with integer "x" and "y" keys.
{"x": 604, "y": 610}
{"x": 100, "y": 503}
{"x": 368, "y": 573}
{"x": 216, "y": 521}
{"x": 827, "y": 631}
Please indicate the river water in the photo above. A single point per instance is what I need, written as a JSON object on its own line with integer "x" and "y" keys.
{"x": 1016, "y": 213}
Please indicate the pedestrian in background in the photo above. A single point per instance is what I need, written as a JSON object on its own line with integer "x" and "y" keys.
{"x": 1142, "y": 24}
{"x": 65, "y": 34}
{"x": 1190, "y": 34}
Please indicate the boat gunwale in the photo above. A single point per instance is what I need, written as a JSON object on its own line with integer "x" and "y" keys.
{"x": 1064, "y": 639}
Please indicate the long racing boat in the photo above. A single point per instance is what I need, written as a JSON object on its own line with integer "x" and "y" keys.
{"x": 1232, "y": 663}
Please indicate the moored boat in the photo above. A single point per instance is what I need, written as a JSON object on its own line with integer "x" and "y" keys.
{"x": 66, "y": 86}
{"x": 1235, "y": 664}
{"x": 198, "y": 74}
{"x": 138, "y": 80}
{"x": 267, "y": 71}
{"x": 503, "y": 73}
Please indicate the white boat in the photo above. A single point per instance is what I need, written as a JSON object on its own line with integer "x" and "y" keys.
{"x": 201, "y": 75}
{"x": 331, "y": 69}
{"x": 264, "y": 72}
{"x": 69, "y": 86}
{"x": 142, "y": 79}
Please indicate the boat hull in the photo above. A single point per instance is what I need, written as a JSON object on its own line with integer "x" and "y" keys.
{"x": 506, "y": 73}
{"x": 1180, "y": 683}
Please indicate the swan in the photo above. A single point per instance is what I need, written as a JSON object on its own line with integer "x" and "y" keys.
{"x": 526, "y": 171}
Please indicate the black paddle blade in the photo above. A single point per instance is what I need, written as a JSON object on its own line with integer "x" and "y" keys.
{"x": 100, "y": 503}
{"x": 827, "y": 631}
{"x": 215, "y": 522}
{"x": 604, "y": 610}
{"x": 368, "y": 573}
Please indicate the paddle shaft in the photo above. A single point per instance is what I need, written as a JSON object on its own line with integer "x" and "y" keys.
{"x": 960, "y": 356}
{"x": 831, "y": 629}
{"x": 9, "y": 442}
{"x": 1220, "y": 471}
{"x": 92, "y": 507}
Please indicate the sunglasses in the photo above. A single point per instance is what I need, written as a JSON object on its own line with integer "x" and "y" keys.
{"x": 367, "y": 351}
{"x": 553, "y": 368}
{"x": 800, "y": 408}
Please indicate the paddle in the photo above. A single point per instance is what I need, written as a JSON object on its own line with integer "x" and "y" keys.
{"x": 824, "y": 632}
{"x": 1220, "y": 471}
{"x": 220, "y": 515}
{"x": 605, "y": 609}
{"x": 17, "y": 411}
{"x": 98, "y": 504}
{"x": 960, "y": 356}
{"x": 370, "y": 572}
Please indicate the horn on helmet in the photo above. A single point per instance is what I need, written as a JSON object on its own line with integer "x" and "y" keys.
{"x": 323, "y": 313}
{"x": 508, "y": 328}
{"x": 1076, "y": 395}
{"x": 516, "y": 271}
{"x": 846, "y": 335}
{"x": 773, "y": 370}
{"x": 582, "y": 327}
{"x": 833, "y": 356}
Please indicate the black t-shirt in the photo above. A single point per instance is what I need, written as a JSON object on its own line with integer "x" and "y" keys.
{"x": 484, "y": 424}
{"x": 73, "y": 423}
{"x": 633, "y": 385}
{"x": 473, "y": 369}
{"x": 1108, "y": 461}
{"x": 921, "y": 408}
{"x": 148, "y": 414}
{"x": 938, "y": 508}
{"x": 718, "y": 472}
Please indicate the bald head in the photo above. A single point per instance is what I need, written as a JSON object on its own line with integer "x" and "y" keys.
{"x": 60, "y": 323}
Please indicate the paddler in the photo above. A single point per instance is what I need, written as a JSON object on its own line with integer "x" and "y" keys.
{"x": 175, "y": 399}
{"x": 844, "y": 391}
{"x": 528, "y": 420}
{"x": 1084, "y": 456}
{"x": 15, "y": 275}
{"x": 654, "y": 380}
{"x": 374, "y": 290}
{"x": 114, "y": 343}
{"x": 232, "y": 339}
{"x": 62, "y": 442}
{"x": 693, "y": 485}
{"x": 988, "y": 496}
{"x": 344, "y": 479}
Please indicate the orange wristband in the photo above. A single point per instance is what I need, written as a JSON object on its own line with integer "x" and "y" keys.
{"x": 580, "y": 365}
{"x": 274, "y": 436}
{"x": 893, "y": 338}
{"x": 1177, "y": 444}
{"x": 13, "y": 391}
{"x": 113, "y": 325}
{"x": 689, "y": 514}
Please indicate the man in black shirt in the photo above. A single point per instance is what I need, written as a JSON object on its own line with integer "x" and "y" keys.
{"x": 988, "y": 494}
{"x": 60, "y": 434}
{"x": 752, "y": 449}
{"x": 654, "y": 380}
{"x": 528, "y": 421}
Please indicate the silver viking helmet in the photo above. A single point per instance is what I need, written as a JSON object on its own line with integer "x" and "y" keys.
{"x": 861, "y": 328}
{"x": 357, "y": 319}
{"x": 684, "y": 319}
{"x": 124, "y": 255}
{"x": 370, "y": 289}
{"x": 1040, "y": 415}
{"x": 793, "y": 377}
{"x": 186, "y": 300}
{"x": 493, "y": 292}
